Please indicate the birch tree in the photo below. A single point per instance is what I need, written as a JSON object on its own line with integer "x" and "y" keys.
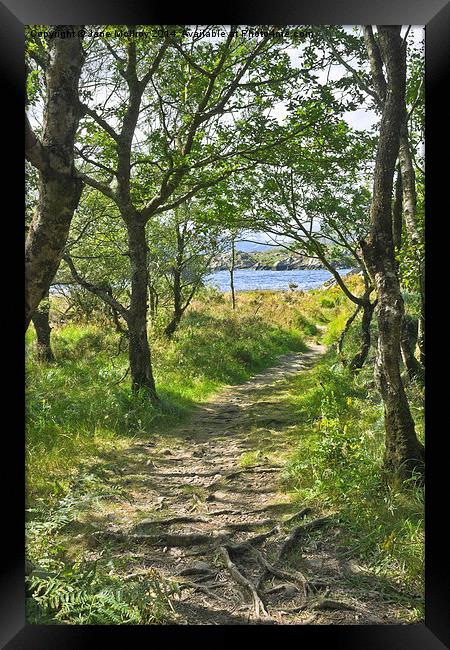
{"x": 52, "y": 154}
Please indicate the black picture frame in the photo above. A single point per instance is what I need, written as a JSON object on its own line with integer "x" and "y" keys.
{"x": 435, "y": 15}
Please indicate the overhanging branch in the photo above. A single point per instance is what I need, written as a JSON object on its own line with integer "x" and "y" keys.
{"x": 102, "y": 292}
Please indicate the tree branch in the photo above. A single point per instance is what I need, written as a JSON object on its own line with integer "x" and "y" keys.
{"x": 101, "y": 292}
{"x": 376, "y": 63}
{"x": 100, "y": 121}
{"x": 98, "y": 185}
{"x": 35, "y": 151}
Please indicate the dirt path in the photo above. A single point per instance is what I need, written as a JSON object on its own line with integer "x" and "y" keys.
{"x": 207, "y": 508}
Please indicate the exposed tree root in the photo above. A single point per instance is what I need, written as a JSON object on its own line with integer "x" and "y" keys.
{"x": 254, "y": 511}
{"x": 200, "y": 571}
{"x": 243, "y": 547}
{"x": 182, "y": 519}
{"x": 111, "y": 535}
{"x": 298, "y": 532}
{"x": 323, "y": 604}
{"x": 285, "y": 586}
{"x": 257, "y": 469}
{"x": 244, "y": 582}
{"x": 328, "y": 603}
{"x": 279, "y": 573}
{"x": 189, "y": 584}
{"x": 298, "y": 515}
{"x": 309, "y": 620}
{"x": 226, "y": 476}
{"x": 248, "y": 525}
{"x": 174, "y": 539}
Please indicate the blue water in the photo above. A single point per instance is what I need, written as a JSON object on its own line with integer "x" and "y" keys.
{"x": 249, "y": 280}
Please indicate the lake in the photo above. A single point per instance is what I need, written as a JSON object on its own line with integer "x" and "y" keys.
{"x": 250, "y": 280}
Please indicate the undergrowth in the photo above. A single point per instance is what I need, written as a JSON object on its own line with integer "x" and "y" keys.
{"x": 81, "y": 592}
{"x": 338, "y": 464}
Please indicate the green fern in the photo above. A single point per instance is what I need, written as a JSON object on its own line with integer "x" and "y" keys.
{"x": 85, "y": 593}
{"x": 87, "y": 598}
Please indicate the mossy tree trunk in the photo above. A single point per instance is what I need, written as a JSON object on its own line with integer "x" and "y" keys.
{"x": 177, "y": 270}
{"x": 408, "y": 341}
{"x": 177, "y": 304}
{"x": 154, "y": 299}
{"x": 41, "y": 322}
{"x": 360, "y": 357}
{"x": 403, "y": 451}
{"x": 408, "y": 181}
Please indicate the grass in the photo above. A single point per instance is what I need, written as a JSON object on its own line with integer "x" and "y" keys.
{"x": 81, "y": 416}
{"x": 337, "y": 464}
{"x": 82, "y": 405}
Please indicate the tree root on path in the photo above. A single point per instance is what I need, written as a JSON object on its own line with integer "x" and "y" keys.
{"x": 279, "y": 573}
{"x": 294, "y": 535}
{"x": 294, "y": 583}
{"x": 182, "y": 519}
{"x": 200, "y": 572}
{"x": 323, "y": 604}
{"x": 189, "y": 584}
{"x": 244, "y": 582}
{"x": 248, "y": 525}
{"x": 285, "y": 586}
{"x": 298, "y": 532}
{"x": 292, "y": 577}
{"x": 243, "y": 547}
{"x": 298, "y": 515}
{"x": 226, "y": 476}
{"x": 219, "y": 539}
{"x": 257, "y": 469}
{"x": 175, "y": 539}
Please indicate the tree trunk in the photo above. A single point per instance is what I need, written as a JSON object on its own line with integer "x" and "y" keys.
{"x": 408, "y": 341}
{"x": 403, "y": 451}
{"x": 410, "y": 212}
{"x": 360, "y": 358}
{"x": 41, "y": 324}
{"x": 139, "y": 349}
{"x": 421, "y": 332}
{"x": 408, "y": 182}
{"x": 233, "y": 262}
{"x": 177, "y": 306}
{"x": 340, "y": 345}
{"x": 397, "y": 214}
{"x": 153, "y": 303}
{"x": 59, "y": 187}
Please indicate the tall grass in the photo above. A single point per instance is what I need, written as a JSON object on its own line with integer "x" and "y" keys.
{"x": 338, "y": 465}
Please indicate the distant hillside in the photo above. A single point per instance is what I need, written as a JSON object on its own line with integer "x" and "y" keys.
{"x": 276, "y": 259}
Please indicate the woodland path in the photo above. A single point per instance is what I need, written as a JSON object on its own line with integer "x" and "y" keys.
{"x": 207, "y": 508}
